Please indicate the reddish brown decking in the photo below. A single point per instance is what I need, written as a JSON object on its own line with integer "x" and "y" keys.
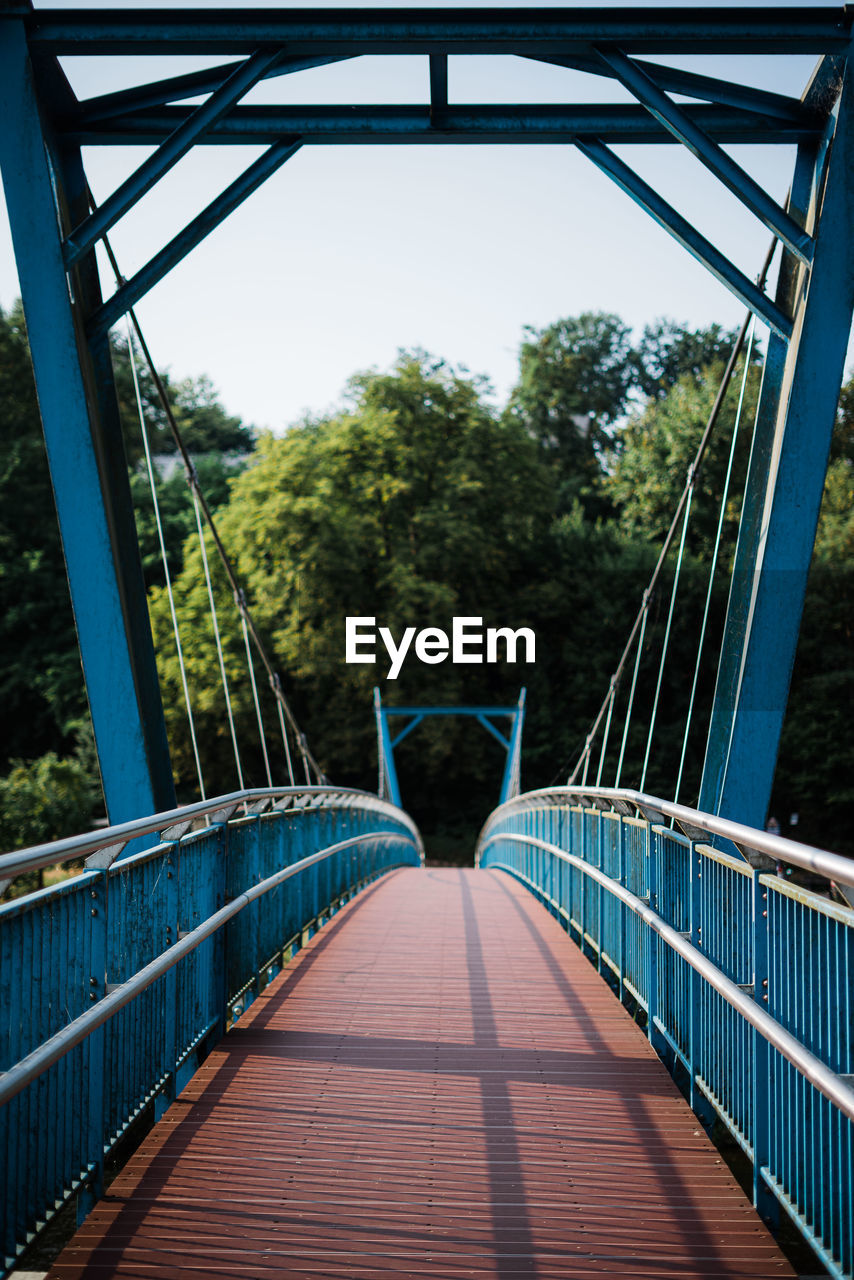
{"x": 439, "y": 1085}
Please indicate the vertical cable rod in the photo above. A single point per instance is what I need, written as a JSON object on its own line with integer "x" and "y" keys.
{"x": 666, "y": 641}
{"x": 605, "y": 734}
{"x": 217, "y": 638}
{"x": 241, "y": 608}
{"x": 713, "y": 566}
{"x": 631, "y": 702}
{"x": 308, "y": 758}
{"x": 168, "y": 577}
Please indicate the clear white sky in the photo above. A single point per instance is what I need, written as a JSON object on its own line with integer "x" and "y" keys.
{"x": 348, "y": 254}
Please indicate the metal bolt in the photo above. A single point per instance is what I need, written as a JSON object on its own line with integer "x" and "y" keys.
{"x": 93, "y": 912}
{"x": 764, "y": 913}
{"x": 93, "y": 995}
{"x": 765, "y": 982}
{"x": 765, "y": 998}
{"x": 93, "y": 982}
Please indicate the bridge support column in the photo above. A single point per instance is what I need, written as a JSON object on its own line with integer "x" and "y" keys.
{"x": 86, "y": 457}
{"x": 783, "y": 501}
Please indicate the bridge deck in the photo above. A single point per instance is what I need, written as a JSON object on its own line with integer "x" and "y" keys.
{"x": 439, "y": 1085}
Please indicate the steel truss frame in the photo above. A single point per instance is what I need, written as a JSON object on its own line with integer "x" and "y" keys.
{"x": 55, "y": 231}
{"x": 512, "y": 744}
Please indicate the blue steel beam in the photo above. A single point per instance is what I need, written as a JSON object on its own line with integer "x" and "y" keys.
{"x": 750, "y": 524}
{"x": 490, "y": 728}
{"x": 792, "y": 498}
{"x": 677, "y": 120}
{"x": 109, "y": 602}
{"x": 177, "y": 248}
{"x": 191, "y": 85}
{"x": 686, "y": 235}
{"x": 484, "y": 123}
{"x": 693, "y": 85}
{"x": 450, "y": 711}
{"x": 405, "y": 732}
{"x": 438, "y": 83}
{"x": 685, "y": 29}
{"x": 168, "y": 154}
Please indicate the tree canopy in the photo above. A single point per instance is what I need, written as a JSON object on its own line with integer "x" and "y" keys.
{"x": 416, "y": 502}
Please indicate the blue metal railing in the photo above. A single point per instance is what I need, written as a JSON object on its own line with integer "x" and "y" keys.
{"x": 744, "y": 977}
{"x": 114, "y": 984}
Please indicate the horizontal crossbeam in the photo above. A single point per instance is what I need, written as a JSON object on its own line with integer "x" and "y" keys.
{"x": 450, "y": 711}
{"x": 340, "y": 125}
{"x": 749, "y": 30}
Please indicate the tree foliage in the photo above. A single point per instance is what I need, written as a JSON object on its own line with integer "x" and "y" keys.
{"x": 41, "y": 682}
{"x": 418, "y": 502}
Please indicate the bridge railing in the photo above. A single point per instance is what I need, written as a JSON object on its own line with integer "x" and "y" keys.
{"x": 744, "y": 978}
{"x": 115, "y": 983}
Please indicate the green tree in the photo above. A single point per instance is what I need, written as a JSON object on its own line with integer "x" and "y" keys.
{"x": 48, "y": 798}
{"x": 575, "y": 377}
{"x": 658, "y": 444}
{"x": 41, "y": 682}
{"x": 668, "y": 351}
{"x": 205, "y": 425}
{"x": 414, "y": 505}
{"x": 816, "y": 764}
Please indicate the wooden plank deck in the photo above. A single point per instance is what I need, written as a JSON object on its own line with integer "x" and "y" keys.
{"x": 438, "y": 1085}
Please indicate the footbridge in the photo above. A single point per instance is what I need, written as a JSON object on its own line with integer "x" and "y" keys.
{"x": 258, "y": 1035}
{"x": 364, "y": 1067}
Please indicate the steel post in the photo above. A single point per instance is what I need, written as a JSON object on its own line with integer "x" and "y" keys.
{"x": 90, "y": 484}
{"x": 786, "y": 523}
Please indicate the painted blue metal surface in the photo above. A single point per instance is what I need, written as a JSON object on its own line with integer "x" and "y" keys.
{"x": 687, "y": 235}
{"x": 388, "y": 782}
{"x": 456, "y": 123}
{"x": 689, "y": 83}
{"x": 790, "y": 949}
{"x": 678, "y": 121}
{"x": 792, "y": 497}
{"x": 109, "y": 612}
{"x": 193, "y": 234}
{"x": 683, "y": 29}
{"x": 190, "y": 85}
{"x": 63, "y": 949}
{"x": 168, "y": 154}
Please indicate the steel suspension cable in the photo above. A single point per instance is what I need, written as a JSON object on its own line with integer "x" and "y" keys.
{"x": 217, "y": 638}
{"x": 631, "y": 701}
{"x": 168, "y": 577}
{"x": 275, "y": 683}
{"x": 666, "y": 641}
{"x": 605, "y": 735}
{"x": 241, "y": 605}
{"x": 715, "y": 554}
{"x": 285, "y": 744}
{"x": 677, "y": 515}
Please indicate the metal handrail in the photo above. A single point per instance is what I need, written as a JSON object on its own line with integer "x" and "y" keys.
{"x": 51, "y": 1050}
{"x": 811, "y": 1068}
{"x": 116, "y": 837}
{"x": 833, "y": 866}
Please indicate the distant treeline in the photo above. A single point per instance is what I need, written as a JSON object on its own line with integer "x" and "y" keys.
{"x": 419, "y": 501}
